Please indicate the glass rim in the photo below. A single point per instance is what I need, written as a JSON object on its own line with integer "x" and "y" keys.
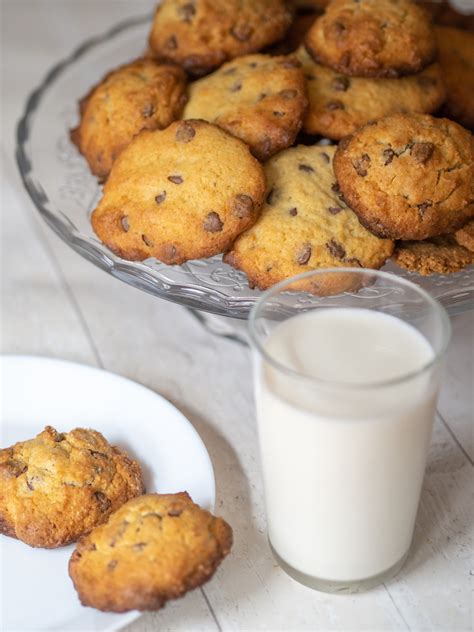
{"x": 277, "y": 288}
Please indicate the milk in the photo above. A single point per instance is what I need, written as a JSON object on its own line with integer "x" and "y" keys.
{"x": 343, "y": 464}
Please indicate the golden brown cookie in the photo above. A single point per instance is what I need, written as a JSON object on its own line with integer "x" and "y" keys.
{"x": 304, "y": 225}
{"x": 408, "y": 176}
{"x": 139, "y": 95}
{"x": 200, "y": 35}
{"x": 465, "y": 236}
{"x": 58, "y": 486}
{"x": 456, "y": 57}
{"x": 338, "y": 105}
{"x": 373, "y": 38}
{"x": 182, "y": 193}
{"x": 153, "y": 549}
{"x": 438, "y": 255}
{"x": 258, "y": 98}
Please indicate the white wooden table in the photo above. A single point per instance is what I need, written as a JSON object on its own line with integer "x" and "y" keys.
{"x": 56, "y": 304}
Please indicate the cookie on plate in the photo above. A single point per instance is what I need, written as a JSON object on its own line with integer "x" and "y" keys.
{"x": 182, "y": 193}
{"x": 456, "y": 57}
{"x": 465, "y": 236}
{"x": 373, "y": 38}
{"x": 438, "y": 255}
{"x": 338, "y": 105}
{"x": 304, "y": 225}
{"x": 202, "y": 34}
{"x": 153, "y": 549}
{"x": 258, "y": 98}
{"x": 408, "y": 176}
{"x": 58, "y": 486}
{"x": 139, "y": 95}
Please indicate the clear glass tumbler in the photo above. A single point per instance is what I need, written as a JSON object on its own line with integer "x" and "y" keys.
{"x": 346, "y": 387}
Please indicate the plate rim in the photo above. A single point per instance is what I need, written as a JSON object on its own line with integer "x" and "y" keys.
{"x": 124, "y": 618}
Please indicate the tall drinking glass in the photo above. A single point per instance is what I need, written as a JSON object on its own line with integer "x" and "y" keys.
{"x": 346, "y": 387}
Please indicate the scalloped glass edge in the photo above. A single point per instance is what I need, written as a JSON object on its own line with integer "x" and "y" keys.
{"x": 140, "y": 275}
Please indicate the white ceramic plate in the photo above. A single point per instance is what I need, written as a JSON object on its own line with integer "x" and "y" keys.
{"x": 35, "y": 589}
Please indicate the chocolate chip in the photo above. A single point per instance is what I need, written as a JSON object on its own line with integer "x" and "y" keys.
{"x": 354, "y": 261}
{"x": 125, "y": 224}
{"x": 291, "y": 63}
{"x": 242, "y": 32}
{"x": 174, "y": 512}
{"x": 344, "y": 142}
{"x": 29, "y": 484}
{"x": 97, "y": 454}
{"x": 147, "y": 241}
{"x": 427, "y": 82}
{"x": 171, "y": 43}
{"x": 262, "y": 96}
{"x": 253, "y": 64}
{"x": 161, "y": 197}
{"x": 148, "y": 110}
{"x": 175, "y": 179}
{"x": 293, "y": 212}
{"x": 309, "y": 77}
{"x": 111, "y": 565}
{"x": 335, "y": 187}
{"x": 422, "y": 208}
{"x": 288, "y": 94}
{"x": 389, "y": 155}
{"x": 270, "y": 197}
{"x": 236, "y": 87}
{"x": 362, "y": 165}
{"x": 334, "y": 210}
{"x": 337, "y": 29}
{"x": 422, "y": 152}
{"x": 325, "y": 157}
{"x": 340, "y": 83}
{"x": 139, "y": 546}
{"x": 278, "y": 114}
{"x": 187, "y": 11}
{"x": 306, "y": 168}
{"x": 13, "y": 468}
{"x": 303, "y": 255}
{"x": 104, "y": 502}
{"x": 185, "y": 132}
{"x": 334, "y": 105}
{"x": 243, "y": 206}
{"x": 336, "y": 249}
{"x": 213, "y": 223}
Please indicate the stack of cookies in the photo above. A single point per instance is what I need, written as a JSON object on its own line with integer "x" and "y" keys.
{"x": 198, "y": 141}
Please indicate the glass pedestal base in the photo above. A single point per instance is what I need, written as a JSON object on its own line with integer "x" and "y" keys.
{"x": 328, "y": 586}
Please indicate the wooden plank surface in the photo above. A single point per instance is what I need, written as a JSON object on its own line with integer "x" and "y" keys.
{"x": 56, "y": 304}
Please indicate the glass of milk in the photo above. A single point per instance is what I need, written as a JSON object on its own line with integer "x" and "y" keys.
{"x": 346, "y": 387}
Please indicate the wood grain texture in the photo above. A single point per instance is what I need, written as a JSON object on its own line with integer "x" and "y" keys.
{"x": 55, "y": 303}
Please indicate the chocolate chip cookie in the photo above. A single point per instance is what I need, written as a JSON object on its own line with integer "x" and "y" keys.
{"x": 182, "y": 193}
{"x": 153, "y": 549}
{"x": 58, "y": 486}
{"x": 139, "y": 95}
{"x": 373, "y": 38}
{"x": 408, "y": 176}
{"x": 456, "y": 57}
{"x": 305, "y": 224}
{"x": 438, "y": 255}
{"x": 258, "y": 98}
{"x": 201, "y": 34}
{"x": 465, "y": 236}
{"x": 338, "y": 105}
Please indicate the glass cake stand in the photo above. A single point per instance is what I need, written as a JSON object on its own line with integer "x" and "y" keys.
{"x": 65, "y": 193}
